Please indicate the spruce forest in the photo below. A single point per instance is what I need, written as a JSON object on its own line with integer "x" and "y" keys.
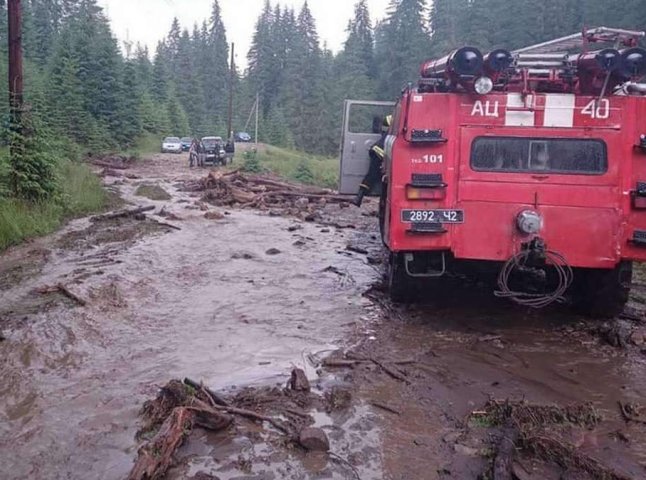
{"x": 91, "y": 93}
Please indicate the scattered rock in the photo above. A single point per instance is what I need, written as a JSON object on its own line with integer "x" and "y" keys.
{"x": 273, "y": 251}
{"x": 374, "y": 259}
{"x": 275, "y": 213}
{"x": 299, "y": 381}
{"x": 242, "y": 256}
{"x": 214, "y": 215}
{"x": 293, "y": 228}
{"x": 312, "y": 217}
{"x": 152, "y": 192}
{"x": 325, "y": 230}
{"x": 299, "y": 243}
{"x": 314, "y": 439}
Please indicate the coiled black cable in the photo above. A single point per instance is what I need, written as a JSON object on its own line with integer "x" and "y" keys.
{"x": 535, "y": 300}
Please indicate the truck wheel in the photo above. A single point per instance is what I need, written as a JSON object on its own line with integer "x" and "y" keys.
{"x": 399, "y": 283}
{"x": 602, "y": 292}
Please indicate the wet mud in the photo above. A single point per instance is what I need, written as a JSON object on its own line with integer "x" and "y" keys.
{"x": 236, "y": 299}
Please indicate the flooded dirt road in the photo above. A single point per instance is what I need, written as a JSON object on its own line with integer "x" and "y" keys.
{"x": 239, "y": 297}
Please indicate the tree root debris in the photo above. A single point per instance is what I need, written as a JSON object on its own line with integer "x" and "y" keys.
{"x": 181, "y": 406}
{"x": 534, "y": 429}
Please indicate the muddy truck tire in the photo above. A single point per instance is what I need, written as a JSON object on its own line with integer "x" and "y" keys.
{"x": 401, "y": 287}
{"x": 601, "y": 292}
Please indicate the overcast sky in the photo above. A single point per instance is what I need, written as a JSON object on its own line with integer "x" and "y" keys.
{"x": 147, "y": 21}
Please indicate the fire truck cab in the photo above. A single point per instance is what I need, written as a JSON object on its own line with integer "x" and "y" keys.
{"x": 528, "y": 167}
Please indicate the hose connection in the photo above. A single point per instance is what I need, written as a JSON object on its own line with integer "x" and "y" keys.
{"x": 526, "y": 277}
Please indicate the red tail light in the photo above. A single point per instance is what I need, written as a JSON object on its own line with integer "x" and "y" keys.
{"x": 425, "y": 193}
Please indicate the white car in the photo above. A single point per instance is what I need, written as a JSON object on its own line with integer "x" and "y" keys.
{"x": 171, "y": 145}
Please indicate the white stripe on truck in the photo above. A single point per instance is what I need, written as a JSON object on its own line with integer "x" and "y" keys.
{"x": 516, "y": 118}
{"x": 559, "y": 110}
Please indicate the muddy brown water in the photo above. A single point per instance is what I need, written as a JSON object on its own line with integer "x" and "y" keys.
{"x": 208, "y": 302}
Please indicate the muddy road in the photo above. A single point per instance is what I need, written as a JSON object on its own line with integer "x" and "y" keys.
{"x": 95, "y": 318}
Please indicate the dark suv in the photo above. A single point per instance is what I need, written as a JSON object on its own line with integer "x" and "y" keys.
{"x": 214, "y": 150}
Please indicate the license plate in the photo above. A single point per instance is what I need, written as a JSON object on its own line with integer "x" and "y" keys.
{"x": 433, "y": 216}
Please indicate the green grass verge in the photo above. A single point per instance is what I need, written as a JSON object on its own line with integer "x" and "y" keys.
{"x": 146, "y": 144}
{"x": 82, "y": 194}
{"x": 296, "y": 166}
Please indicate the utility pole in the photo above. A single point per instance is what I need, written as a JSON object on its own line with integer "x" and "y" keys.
{"x": 15, "y": 70}
{"x": 257, "y": 108}
{"x": 231, "y": 78}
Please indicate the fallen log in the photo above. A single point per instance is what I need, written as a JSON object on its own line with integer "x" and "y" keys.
{"x": 155, "y": 458}
{"x": 63, "y": 290}
{"x": 121, "y": 213}
{"x": 318, "y": 196}
{"x": 217, "y": 399}
{"x": 117, "y": 166}
{"x": 389, "y": 371}
{"x": 503, "y": 464}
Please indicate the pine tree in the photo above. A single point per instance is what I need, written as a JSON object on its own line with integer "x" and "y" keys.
{"x": 403, "y": 44}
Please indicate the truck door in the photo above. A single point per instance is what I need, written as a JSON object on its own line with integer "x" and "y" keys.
{"x": 361, "y": 128}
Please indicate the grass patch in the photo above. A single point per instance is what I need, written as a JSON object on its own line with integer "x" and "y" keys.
{"x": 146, "y": 144}
{"x": 299, "y": 165}
{"x": 82, "y": 194}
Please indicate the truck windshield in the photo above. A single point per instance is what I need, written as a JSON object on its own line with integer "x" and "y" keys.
{"x": 546, "y": 155}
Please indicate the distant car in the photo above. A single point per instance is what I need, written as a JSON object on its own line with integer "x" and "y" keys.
{"x": 214, "y": 150}
{"x": 171, "y": 145}
{"x": 186, "y": 143}
{"x": 242, "y": 137}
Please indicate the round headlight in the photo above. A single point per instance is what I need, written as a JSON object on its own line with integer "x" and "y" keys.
{"x": 483, "y": 85}
{"x": 529, "y": 222}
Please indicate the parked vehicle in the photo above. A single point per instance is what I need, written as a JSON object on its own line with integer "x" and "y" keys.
{"x": 214, "y": 150}
{"x": 171, "y": 145}
{"x": 186, "y": 143}
{"x": 525, "y": 166}
{"x": 242, "y": 137}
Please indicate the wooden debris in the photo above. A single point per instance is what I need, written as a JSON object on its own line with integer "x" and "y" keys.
{"x": 254, "y": 191}
{"x": 119, "y": 162}
{"x": 122, "y": 213}
{"x": 503, "y": 464}
{"x": 631, "y": 413}
{"x": 63, "y": 290}
{"x": 169, "y": 225}
{"x": 155, "y": 457}
{"x": 217, "y": 399}
{"x": 385, "y": 407}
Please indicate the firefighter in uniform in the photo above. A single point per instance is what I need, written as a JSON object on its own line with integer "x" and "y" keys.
{"x": 376, "y": 154}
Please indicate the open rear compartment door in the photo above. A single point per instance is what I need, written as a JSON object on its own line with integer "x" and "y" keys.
{"x": 362, "y": 122}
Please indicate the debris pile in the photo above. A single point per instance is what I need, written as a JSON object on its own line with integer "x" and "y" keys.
{"x": 541, "y": 431}
{"x": 264, "y": 193}
{"x": 180, "y": 406}
{"x": 113, "y": 161}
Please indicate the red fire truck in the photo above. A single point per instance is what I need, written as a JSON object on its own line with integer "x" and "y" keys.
{"x": 527, "y": 166}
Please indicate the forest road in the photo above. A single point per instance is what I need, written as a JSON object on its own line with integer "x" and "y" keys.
{"x": 94, "y": 318}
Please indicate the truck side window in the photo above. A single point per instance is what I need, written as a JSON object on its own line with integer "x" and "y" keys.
{"x": 552, "y": 155}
